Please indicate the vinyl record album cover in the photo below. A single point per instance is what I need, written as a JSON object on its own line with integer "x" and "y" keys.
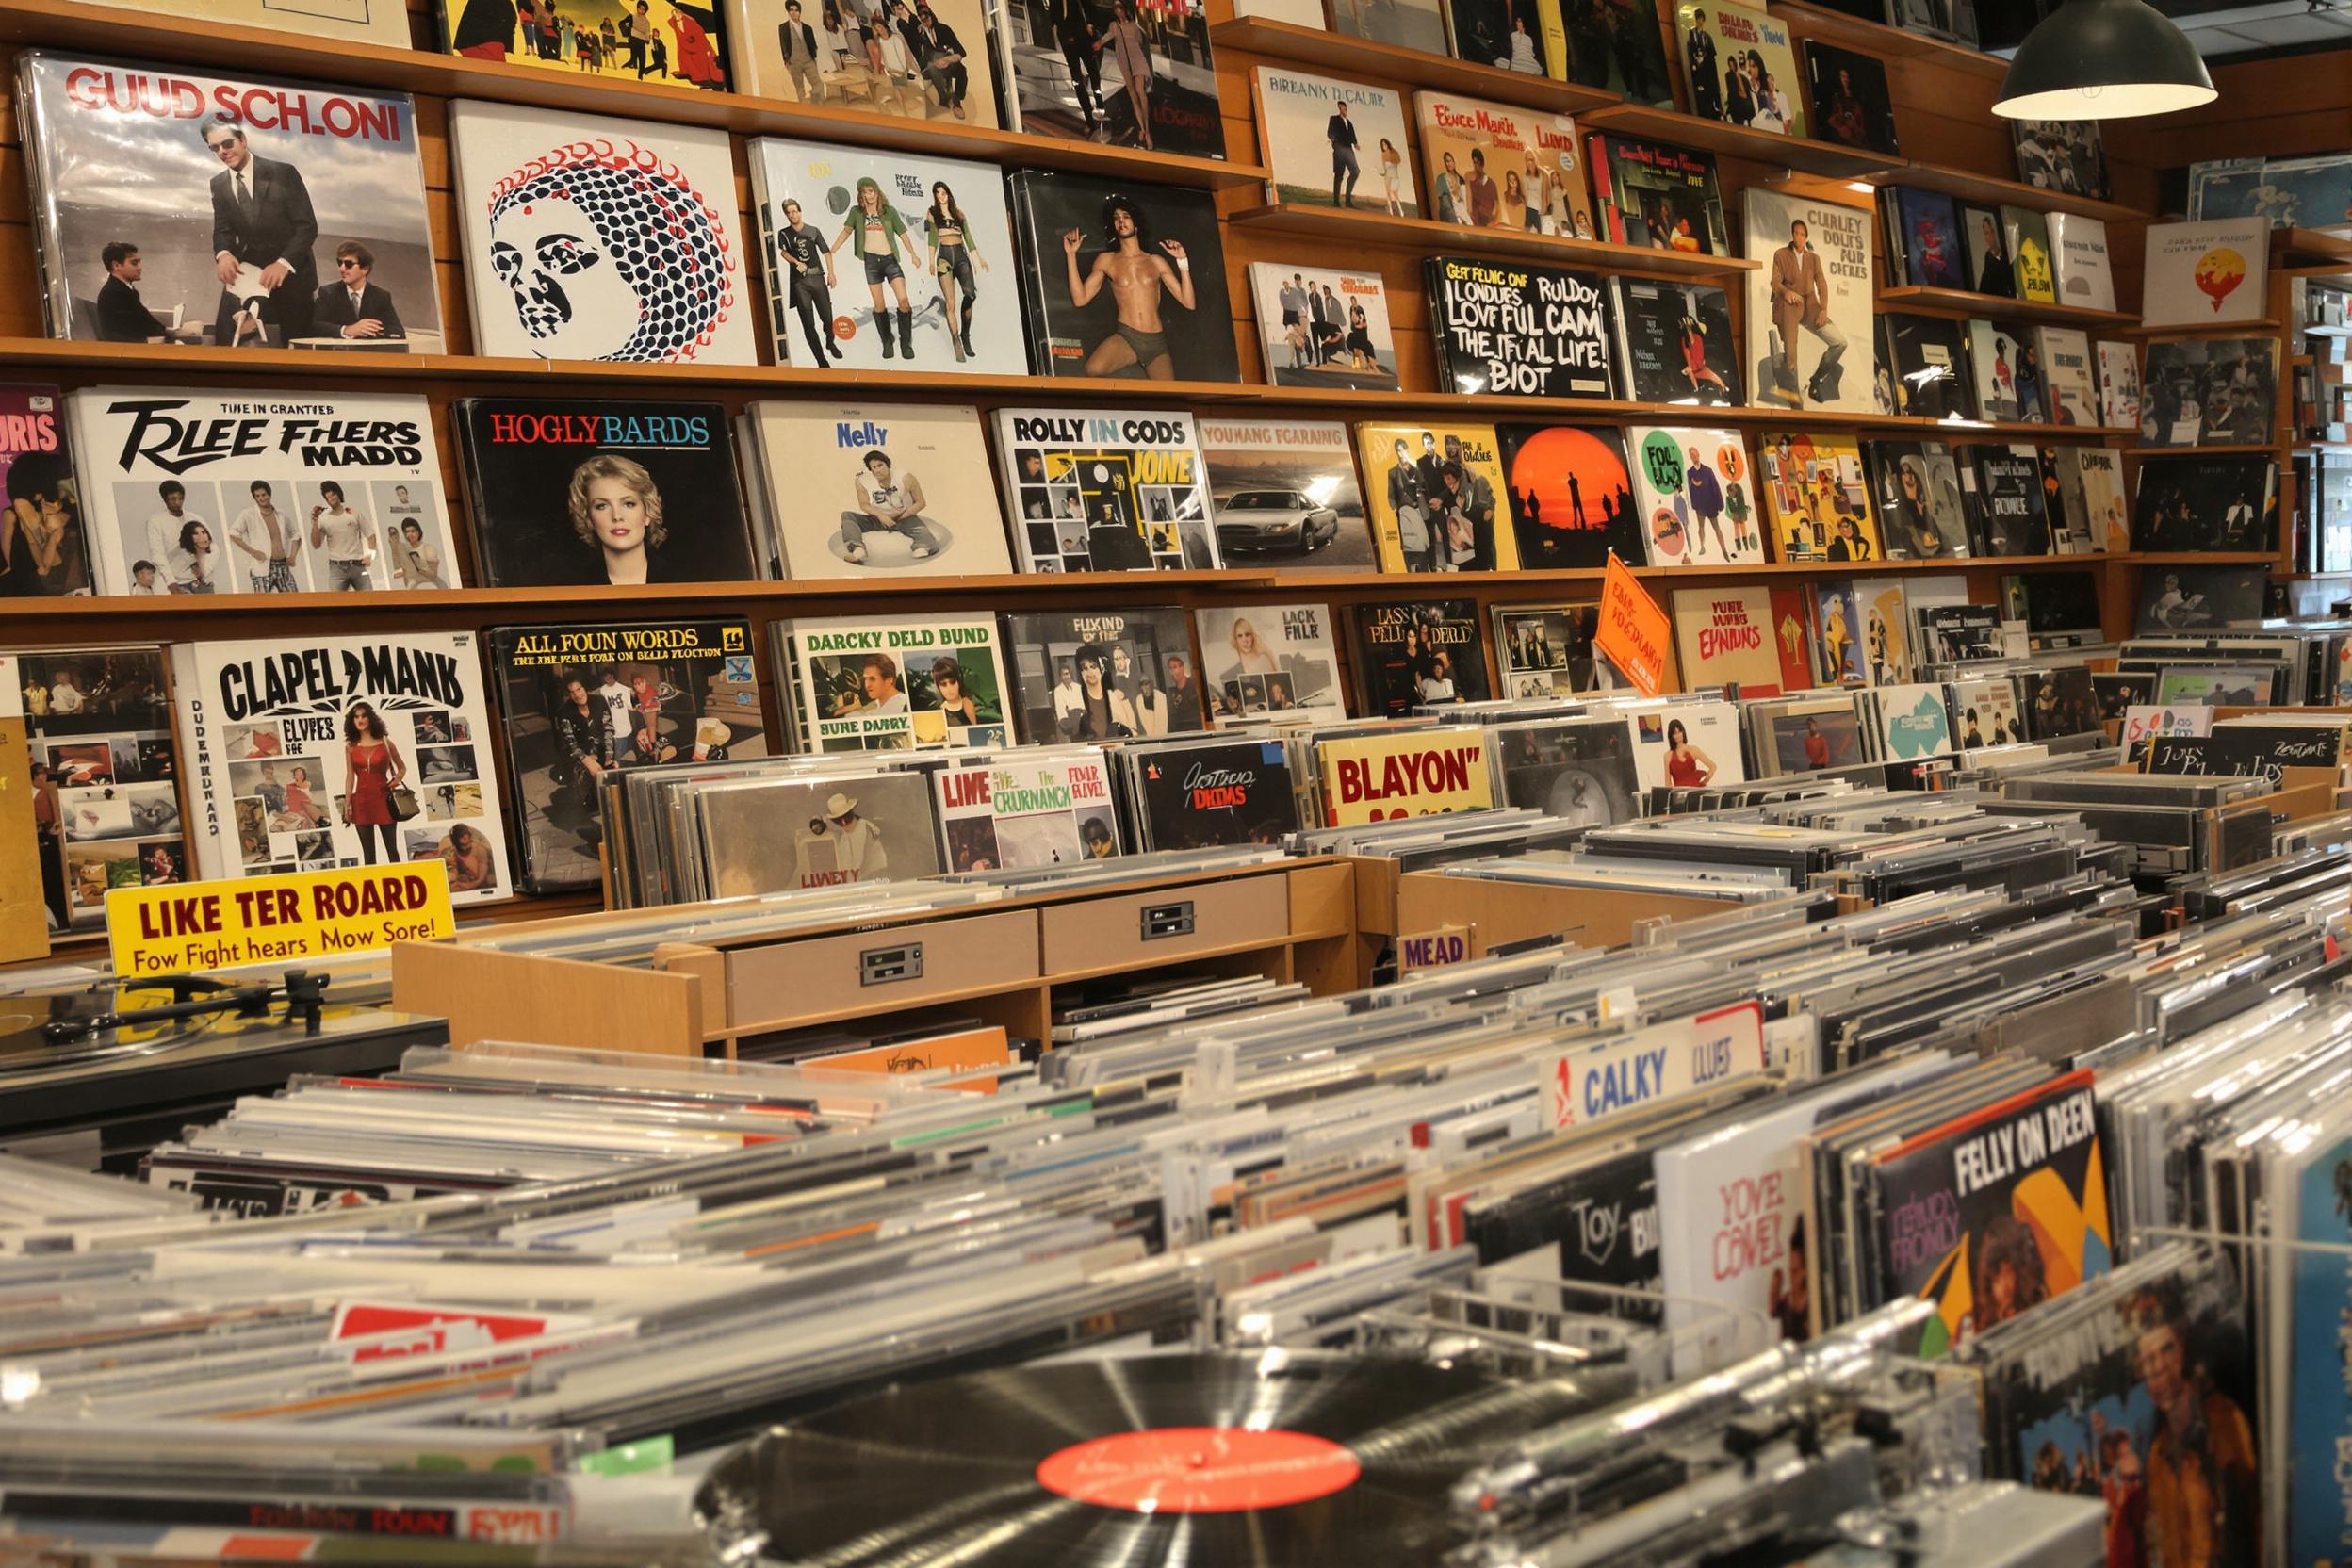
{"x": 1816, "y": 735}
{"x": 361, "y": 20}
{"x": 2186, "y": 598}
{"x": 1127, "y": 77}
{"x": 1508, "y": 35}
{"x": 619, "y": 491}
{"x": 1104, "y": 674}
{"x": 890, "y": 260}
{"x": 1989, "y": 265}
{"x": 1570, "y": 494}
{"x": 1436, "y": 496}
{"x": 1546, "y": 650}
{"x": 2208, "y": 391}
{"x": 1431, "y": 651}
{"x": 311, "y": 752}
{"x": 1286, "y": 491}
{"x": 1651, "y": 194}
{"x": 1420, "y": 773}
{"x": 1689, "y": 746}
{"x": 1024, "y": 807}
{"x": 662, "y": 42}
{"x": 1237, "y": 791}
{"x": 2059, "y": 702}
{"x": 2062, "y": 154}
{"x": 2208, "y": 274}
{"x": 1984, "y": 712}
{"x": 875, "y": 491}
{"x": 269, "y": 492}
{"x": 2119, "y": 395}
{"x": 857, "y": 59}
{"x": 2078, "y": 254}
{"x": 1321, "y": 328}
{"x": 1612, "y": 45}
{"x": 2069, "y": 390}
{"x": 1104, "y": 490}
{"x": 1810, "y": 343}
{"x": 1407, "y": 24}
{"x": 1577, "y": 770}
{"x": 891, "y": 683}
{"x": 2000, "y": 362}
{"x": 1697, "y": 496}
{"x": 2206, "y": 503}
{"x": 1837, "y": 633}
{"x": 178, "y": 207}
{"x": 1514, "y": 328}
{"x": 1929, "y": 226}
{"x": 2009, "y": 500}
{"x": 2027, "y": 230}
{"x": 1914, "y": 723}
{"x": 1496, "y": 166}
{"x": 1723, "y": 637}
{"x": 1849, "y": 99}
{"x": 1332, "y": 143}
{"x": 2100, "y": 474}
{"x": 770, "y": 835}
{"x": 1742, "y": 68}
{"x": 1118, "y": 280}
{"x": 1921, "y": 514}
{"x": 2076, "y": 525}
{"x": 555, "y": 209}
{"x": 1263, "y": 658}
{"x": 44, "y": 544}
{"x": 1817, "y": 501}
{"x": 1996, "y": 1211}
{"x": 1886, "y": 630}
{"x": 1675, "y": 341}
{"x": 1924, "y": 360}
{"x": 97, "y": 724}
{"x": 581, "y": 699}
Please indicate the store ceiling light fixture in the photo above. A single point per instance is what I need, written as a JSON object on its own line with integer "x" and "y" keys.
{"x": 2103, "y": 59}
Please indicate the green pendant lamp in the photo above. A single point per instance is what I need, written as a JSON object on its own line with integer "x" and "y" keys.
{"x": 2103, "y": 59}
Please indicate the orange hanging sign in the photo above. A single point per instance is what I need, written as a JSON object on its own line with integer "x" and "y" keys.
{"x": 1633, "y": 630}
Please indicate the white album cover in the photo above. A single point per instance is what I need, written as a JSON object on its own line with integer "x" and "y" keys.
{"x": 1322, "y": 328}
{"x": 589, "y": 237}
{"x": 877, "y": 491}
{"x": 1335, "y": 144}
{"x": 892, "y": 261}
{"x": 1262, "y": 659}
{"x": 312, "y": 752}
{"x": 272, "y": 491}
{"x": 1810, "y": 337}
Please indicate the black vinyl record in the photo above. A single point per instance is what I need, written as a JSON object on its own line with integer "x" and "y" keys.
{"x": 1226, "y": 1459}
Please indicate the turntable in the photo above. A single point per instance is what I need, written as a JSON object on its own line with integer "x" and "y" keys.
{"x": 96, "y": 1077}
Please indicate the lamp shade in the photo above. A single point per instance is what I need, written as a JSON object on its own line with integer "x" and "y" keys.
{"x": 2103, "y": 59}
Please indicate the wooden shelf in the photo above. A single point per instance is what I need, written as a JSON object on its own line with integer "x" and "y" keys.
{"x": 1309, "y": 582}
{"x": 1360, "y": 226}
{"x": 1353, "y": 56}
{"x": 2326, "y": 332}
{"x": 1875, "y": 38}
{"x": 198, "y": 42}
{"x": 1828, "y": 159}
{"x": 1994, "y": 307}
{"x": 2205, "y": 329}
{"x": 1992, "y": 190}
{"x": 2297, "y": 247}
{"x": 2203, "y": 558}
{"x": 2217, "y": 449}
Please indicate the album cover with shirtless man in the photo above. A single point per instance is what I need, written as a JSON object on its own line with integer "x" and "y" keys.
{"x": 1125, "y": 281}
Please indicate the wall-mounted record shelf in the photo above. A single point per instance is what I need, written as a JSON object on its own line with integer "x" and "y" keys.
{"x": 2265, "y": 328}
{"x": 1829, "y": 159}
{"x": 1360, "y": 226}
{"x": 1350, "y": 57}
{"x": 1876, "y": 37}
{"x": 1299, "y": 582}
{"x": 1955, "y": 301}
{"x": 2313, "y": 247}
{"x": 1991, "y": 190}
{"x": 190, "y": 41}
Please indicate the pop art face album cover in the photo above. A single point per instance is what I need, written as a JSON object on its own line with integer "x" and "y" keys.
{"x": 595, "y": 238}
{"x": 214, "y": 211}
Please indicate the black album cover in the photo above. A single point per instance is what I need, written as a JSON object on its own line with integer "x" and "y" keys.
{"x": 1196, "y": 796}
{"x": 1927, "y": 360}
{"x": 1103, "y": 675}
{"x": 617, "y": 491}
{"x": 1578, "y": 770}
{"x": 2208, "y": 391}
{"x": 1571, "y": 495}
{"x": 1850, "y": 101}
{"x": 580, "y": 700}
{"x": 2184, "y": 598}
{"x": 1122, "y": 280}
{"x": 2062, "y": 154}
{"x": 2010, "y": 515}
{"x": 1675, "y": 341}
{"x": 2059, "y": 701}
{"x": 2060, "y": 608}
{"x": 1651, "y": 194}
{"x": 1408, "y": 654}
{"x": 1512, "y": 327}
{"x": 2206, "y": 503}
{"x": 1923, "y": 507}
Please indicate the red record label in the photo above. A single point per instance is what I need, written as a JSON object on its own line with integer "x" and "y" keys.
{"x": 1199, "y": 1470}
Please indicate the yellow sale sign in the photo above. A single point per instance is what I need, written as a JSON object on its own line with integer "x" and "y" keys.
{"x": 275, "y": 920}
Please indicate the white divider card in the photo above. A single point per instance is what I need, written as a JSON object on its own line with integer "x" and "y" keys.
{"x": 1586, "y": 1083}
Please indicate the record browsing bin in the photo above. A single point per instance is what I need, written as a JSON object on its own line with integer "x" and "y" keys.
{"x": 1289, "y": 920}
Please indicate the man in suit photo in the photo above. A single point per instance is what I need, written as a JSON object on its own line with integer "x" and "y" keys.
{"x": 261, "y": 217}
{"x": 123, "y": 316}
{"x": 353, "y": 306}
{"x": 1346, "y": 168}
{"x": 799, "y": 43}
{"x": 1800, "y": 299}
